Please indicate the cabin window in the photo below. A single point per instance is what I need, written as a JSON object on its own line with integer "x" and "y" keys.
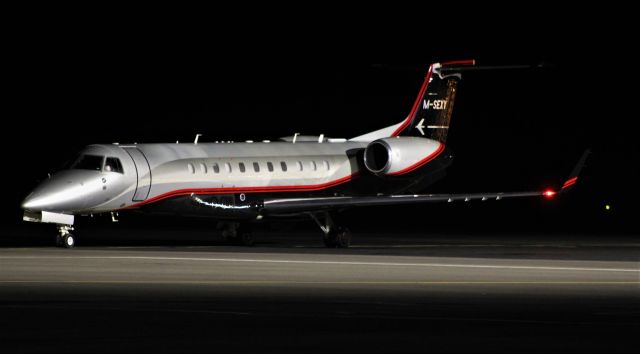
{"x": 241, "y": 166}
{"x": 203, "y": 168}
{"x": 216, "y": 168}
{"x": 113, "y": 164}
{"x": 227, "y": 166}
{"x": 270, "y": 166}
{"x": 88, "y": 162}
{"x": 313, "y": 165}
{"x": 299, "y": 165}
{"x": 191, "y": 168}
{"x": 283, "y": 166}
{"x": 256, "y": 167}
{"x": 326, "y": 165}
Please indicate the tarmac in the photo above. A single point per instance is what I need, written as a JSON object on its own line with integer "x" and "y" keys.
{"x": 388, "y": 293}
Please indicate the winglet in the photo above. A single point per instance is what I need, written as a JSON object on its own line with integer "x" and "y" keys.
{"x": 573, "y": 177}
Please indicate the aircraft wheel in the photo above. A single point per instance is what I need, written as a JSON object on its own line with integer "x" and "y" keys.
{"x": 330, "y": 241}
{"x": 68, "y": 241}
{"x": 229, "y": 232}
{"x": 338, "y": 238}
{"x": 245, "y": 236}
{"x": 59, "y": 241}
{"x": 238, "y": 234}
{"x": 228, "y": 236}
{"x": 343, "y": 238}
{"x": 246, "y": 239}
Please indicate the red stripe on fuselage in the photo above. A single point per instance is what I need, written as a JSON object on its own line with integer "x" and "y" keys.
{"x": 420, "y": 163}
{"x": 231, "y": 190}
{"x": 416, "y": 104}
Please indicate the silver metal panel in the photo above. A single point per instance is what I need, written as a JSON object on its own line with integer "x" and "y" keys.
{"x": 171, "y": 170}
{"x": 143, "y": 171}
{"x": 47, "y": 217}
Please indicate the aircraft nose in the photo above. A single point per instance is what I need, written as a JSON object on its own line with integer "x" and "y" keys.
{"x": 46, "y": 197}
{"x": 64, "y": 193}
{"x": 40, "y": 201}
{"x": 28, "y": 202}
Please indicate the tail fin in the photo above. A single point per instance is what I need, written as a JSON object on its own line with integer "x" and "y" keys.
{"x": 431, "y": 113}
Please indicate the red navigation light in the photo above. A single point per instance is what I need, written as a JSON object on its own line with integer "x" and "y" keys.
{"x": 549, "y": 193}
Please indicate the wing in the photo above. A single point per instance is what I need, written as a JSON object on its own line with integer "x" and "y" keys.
{"x": 293, "y": 205}
{"x": 299, "y": 205}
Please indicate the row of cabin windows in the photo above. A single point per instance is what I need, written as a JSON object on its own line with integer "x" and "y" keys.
{"x": 256, "y": 167}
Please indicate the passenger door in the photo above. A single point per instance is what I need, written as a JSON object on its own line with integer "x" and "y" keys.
{"x": 143, "y": 171}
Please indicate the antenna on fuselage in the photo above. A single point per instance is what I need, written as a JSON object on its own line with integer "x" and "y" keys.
{"x": 195, "y": 141}
{"x": 295, "y": 137}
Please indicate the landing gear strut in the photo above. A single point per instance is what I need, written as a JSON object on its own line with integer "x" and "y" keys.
{"x": 238, "y": 234}
{"x": 65, "y": 238}
{"x": 334, "y": 236}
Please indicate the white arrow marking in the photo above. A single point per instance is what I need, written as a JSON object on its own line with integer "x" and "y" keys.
{"x": 420, "y": 126}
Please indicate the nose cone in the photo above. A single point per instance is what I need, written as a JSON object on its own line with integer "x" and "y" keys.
{"x": 40, "y": 200}
{"x": 28, "y": 203}
{"x": 67, "y": 191}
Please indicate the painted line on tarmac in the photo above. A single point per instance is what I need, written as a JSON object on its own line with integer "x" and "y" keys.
{"x": 345, "y": 263}
{"x": 294, "y": 282}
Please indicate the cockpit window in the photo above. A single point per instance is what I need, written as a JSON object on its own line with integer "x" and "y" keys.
{"x": 88, "y": 162}
{"x": 113, "y": 165}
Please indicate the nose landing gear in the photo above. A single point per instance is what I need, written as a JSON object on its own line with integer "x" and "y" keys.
{"x": 65, "y": 238}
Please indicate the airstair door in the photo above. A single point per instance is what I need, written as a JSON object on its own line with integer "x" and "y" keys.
{"x": 143, "y": 170}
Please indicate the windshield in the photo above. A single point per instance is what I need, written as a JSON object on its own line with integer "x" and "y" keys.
{"x": 88, "y": 162}
{"x": 113, "y": 164}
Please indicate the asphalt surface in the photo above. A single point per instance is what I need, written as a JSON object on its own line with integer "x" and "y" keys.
{"x": 389, "y": 293}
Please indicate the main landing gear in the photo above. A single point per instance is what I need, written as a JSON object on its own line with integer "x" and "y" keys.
{"x": 237, "y": 234}
{"x": 334, "y": 236}
{"x": 65, "y": 238}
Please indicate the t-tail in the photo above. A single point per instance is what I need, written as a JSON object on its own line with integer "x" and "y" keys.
{"x": 430, "y": 116}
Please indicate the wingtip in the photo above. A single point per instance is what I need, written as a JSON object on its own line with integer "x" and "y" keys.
{"x": 570, "y": 182}
{"x": 577, "y": 170}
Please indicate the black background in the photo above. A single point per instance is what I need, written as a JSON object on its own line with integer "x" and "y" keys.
{"x": 71, "y": 84}
{"x": 74, "y": 76}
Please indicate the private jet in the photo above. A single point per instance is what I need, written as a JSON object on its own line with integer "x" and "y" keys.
{"x": 241, "y": 183}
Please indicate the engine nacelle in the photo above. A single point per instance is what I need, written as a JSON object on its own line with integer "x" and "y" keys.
{"x": 400, "y": 155}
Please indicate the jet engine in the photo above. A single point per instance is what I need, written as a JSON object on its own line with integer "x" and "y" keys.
{"x": 399, "y": 155}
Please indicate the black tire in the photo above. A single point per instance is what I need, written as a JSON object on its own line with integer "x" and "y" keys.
{"x": 229, "y": 233}
{"x": 229, "y": 237}
{"x": 343, "y": 239}
{"x": 338, "y": 237}
{"x": 330, "y": 240}
{"x": 246, "y": 239}
{"x": 59, "y": 241}
{"x": 68, "y": 241}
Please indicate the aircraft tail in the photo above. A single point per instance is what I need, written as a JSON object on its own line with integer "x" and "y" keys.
{"x": 430, "y": 115}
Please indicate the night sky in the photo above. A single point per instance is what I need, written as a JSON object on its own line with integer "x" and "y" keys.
{"x": 511, "y": 130}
